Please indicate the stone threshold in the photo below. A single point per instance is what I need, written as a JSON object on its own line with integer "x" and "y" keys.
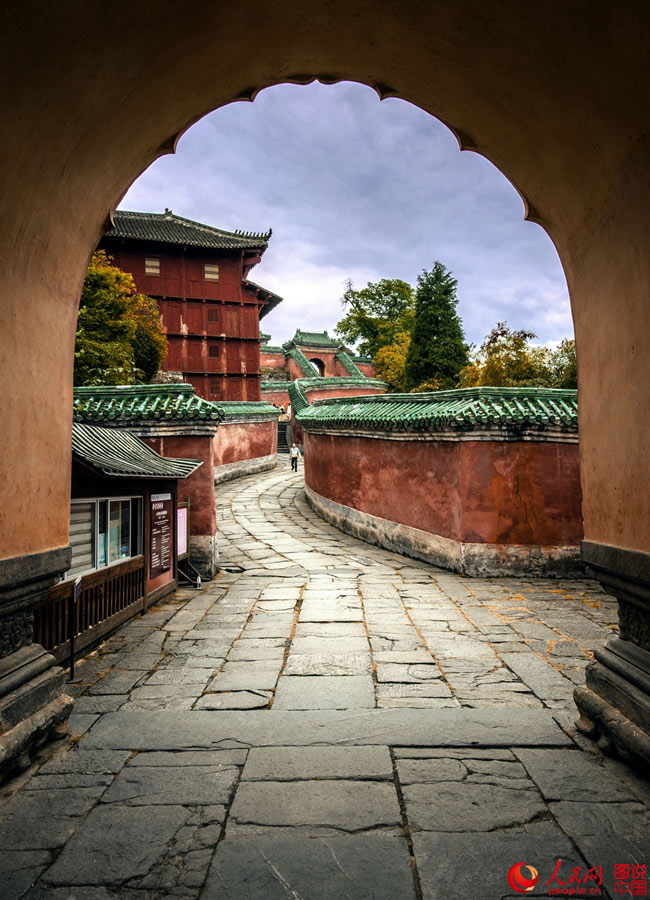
{"x": 227, "y": 729}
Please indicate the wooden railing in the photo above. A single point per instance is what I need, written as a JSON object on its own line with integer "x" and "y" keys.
{"x": 108, "y": 597}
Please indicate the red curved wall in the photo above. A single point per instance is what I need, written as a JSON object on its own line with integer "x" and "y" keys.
{"x": 495, "y": 492}
{"x": 244, "y": 440}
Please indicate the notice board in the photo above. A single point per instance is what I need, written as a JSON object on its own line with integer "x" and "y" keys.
{"x": 161, "y": 534}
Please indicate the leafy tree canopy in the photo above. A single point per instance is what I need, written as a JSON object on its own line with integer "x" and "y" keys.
{"x": 506, "y": 358}
{"x": 390, "y": 361}
{"x": 376, "y": 314}
{"x": 119, "y": 335}
{"x": 438, "y": 350}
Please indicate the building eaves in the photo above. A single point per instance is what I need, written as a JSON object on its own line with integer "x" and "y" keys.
{"x": 268, "y": 298}
{"x": 167, "y": 228}
{"x": 117, "y": 453}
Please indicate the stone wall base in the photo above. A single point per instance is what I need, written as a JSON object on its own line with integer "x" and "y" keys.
{"x": 229, "y": 471}
{"x": 204, "y": 554}
{"x": 464, "y": 558}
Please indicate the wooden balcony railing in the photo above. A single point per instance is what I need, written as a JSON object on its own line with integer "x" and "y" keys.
{"x": 109, "y": 597}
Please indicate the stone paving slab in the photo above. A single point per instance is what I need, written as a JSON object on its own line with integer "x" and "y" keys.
{"x": 340, "y": 691}
{"x": 462, "y": 866}
{"x": 162, "y": 730}
{"x": 305, "y": 763}
{"x": 312, "y": 805}
{"x": 169, "y": 785}
{"x": 332, "y": 867}
{"x": 117, "y": 844}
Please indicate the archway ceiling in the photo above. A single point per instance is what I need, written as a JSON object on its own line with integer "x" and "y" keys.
{"x": 536, "y": 89}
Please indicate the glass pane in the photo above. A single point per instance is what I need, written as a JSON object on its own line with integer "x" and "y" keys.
{"x": 102, "y": 533}
{"x": 82, "y": 537}
{"x": 120, "y": 531}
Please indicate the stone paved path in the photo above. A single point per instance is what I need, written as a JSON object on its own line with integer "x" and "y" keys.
{"x": 333, "y": 721}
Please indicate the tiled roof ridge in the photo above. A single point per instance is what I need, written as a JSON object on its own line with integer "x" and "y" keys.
{"x": 308, "y": 368}
{"x": 234, "y": 408}
{"x": 130, "y": 403}
{"x": 312, "y": 339}
{"x": 348, "y": 363}
{"x": 449, "y": 409}
{"x": 297, "y": 388}
{"x": 169, "y": 216}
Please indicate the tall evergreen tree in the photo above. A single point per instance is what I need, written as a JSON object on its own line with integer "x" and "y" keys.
{"x": 438, "y": 350}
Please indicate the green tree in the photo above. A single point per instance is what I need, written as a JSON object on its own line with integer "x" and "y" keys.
{"x": 376, "y": 314}
{"x": 119, "y": 336}
{"x": 149, "y": 341}
{"x": 390, "y": 361}
{"x": 506, "y": 358}
{"x": 564, "y": 365}
{"x": 438, "y": 350}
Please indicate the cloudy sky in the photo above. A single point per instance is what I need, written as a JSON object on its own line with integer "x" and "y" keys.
{"x": 359, "y": 189}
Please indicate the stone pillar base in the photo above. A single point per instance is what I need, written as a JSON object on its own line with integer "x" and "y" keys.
{"x": 615, "y": 704}
{"x": 204, "y": 554}
{"x": 33, "y": 707}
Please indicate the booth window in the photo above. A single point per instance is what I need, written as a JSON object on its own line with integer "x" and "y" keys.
{"x": 104, "y": 531}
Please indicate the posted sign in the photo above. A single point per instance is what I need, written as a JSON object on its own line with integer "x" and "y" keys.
{"x": 161, "y": 534}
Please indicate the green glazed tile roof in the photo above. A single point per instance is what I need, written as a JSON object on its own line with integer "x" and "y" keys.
{"x": 312, "y": 339}
{"x": 275, "y": 385}
{"x": 349, "y": 364}
{"x": 465, "y": 407}
{"x": 308, "y": 368}
{"x": 362, "y": 359}
{"x": 268, "y": 348}
{"x": 298, "y": 388}
{"x": 264, "y": 338}
{"x": 115, "y": 452}
{"x": 167, "y": 228}
{"x": 249, "y": 408}
{"x": 142, "y": 402}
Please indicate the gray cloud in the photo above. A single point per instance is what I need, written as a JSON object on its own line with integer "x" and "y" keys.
{"x": 362, "y": 189}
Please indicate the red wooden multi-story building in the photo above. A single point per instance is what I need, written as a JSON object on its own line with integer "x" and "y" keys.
{"x": 210, "y": 310}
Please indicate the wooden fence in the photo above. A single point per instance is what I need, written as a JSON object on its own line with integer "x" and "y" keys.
{"x": 108, "y": 597}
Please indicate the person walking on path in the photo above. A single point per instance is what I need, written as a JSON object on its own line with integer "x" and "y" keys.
{"x": 294, "y": 453}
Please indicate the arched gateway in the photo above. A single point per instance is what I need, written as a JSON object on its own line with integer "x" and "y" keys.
{"x": 555, "y": 96}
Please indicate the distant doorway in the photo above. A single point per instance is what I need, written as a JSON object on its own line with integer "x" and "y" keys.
{"x": 320, "y": 365}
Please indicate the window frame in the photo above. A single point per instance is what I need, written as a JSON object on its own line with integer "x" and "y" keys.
{"x": 154, "y": 262}
{"x": 213, "y": 275}
{"x": 139, "y": 538}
